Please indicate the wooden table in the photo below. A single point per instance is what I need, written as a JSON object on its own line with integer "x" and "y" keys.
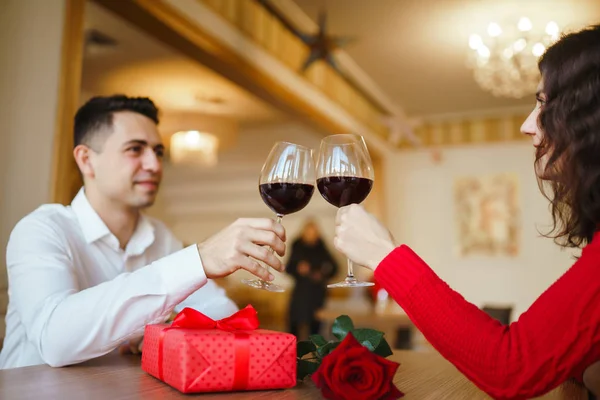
{"x": 421, "y": 376}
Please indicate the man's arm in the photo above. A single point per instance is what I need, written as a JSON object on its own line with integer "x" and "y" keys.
{"x": 210, "y": 300}
{"x": 69, "y": 325}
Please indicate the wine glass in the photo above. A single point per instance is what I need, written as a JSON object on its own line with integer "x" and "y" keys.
{"x": 345, "y": 176}
{"x": 286, "y": 185}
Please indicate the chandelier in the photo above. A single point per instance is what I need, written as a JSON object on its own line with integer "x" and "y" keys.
{"x": 504, "y": 61}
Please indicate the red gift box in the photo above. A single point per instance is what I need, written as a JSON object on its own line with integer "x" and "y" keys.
{"x": 197, "y": 354}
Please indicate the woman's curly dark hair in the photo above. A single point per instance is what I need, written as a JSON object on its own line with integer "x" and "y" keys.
{"x": 570, "y": 120}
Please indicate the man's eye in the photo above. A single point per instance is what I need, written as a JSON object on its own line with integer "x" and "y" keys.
{"x": 135, "y": 149}
{"x": 160, "y": 152}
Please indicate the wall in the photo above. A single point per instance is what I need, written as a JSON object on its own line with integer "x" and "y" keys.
{"x": 30, "y": 50}
{"x": 421, "y": 214}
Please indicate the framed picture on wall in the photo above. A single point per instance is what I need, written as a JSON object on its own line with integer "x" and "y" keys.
{"x": 488, "y": 215}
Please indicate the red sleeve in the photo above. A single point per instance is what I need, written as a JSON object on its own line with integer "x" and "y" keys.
{"x": 556, "y": 339}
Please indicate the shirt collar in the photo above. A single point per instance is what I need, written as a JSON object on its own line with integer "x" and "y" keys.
{"x": 142, "y": 238}
{"x": 91, "y": 224}
{"x": 94, "y": 228}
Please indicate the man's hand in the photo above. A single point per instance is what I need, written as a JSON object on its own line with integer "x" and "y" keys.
{"x": 232, "y": 248}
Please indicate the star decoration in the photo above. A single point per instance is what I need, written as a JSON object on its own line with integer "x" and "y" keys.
{"x": 400, "y": 128}
{"x": 322, "y": 46}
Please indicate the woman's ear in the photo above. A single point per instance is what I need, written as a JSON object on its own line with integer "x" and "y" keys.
{"x": 82, "y": 154}
{"x": 591, "y": 378}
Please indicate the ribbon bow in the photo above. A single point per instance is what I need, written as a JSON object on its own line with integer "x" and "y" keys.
{"x": 243, "y": 320}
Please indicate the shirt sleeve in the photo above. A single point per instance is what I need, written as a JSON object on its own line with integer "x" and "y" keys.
{"x": 210, "y": 299}
{"x": 69, "y": 325}
{"x": 554, "y": 340}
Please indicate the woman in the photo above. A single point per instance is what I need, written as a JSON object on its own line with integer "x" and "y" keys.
{"x": 559, "y": 336}
{"x": 312, "y": 266}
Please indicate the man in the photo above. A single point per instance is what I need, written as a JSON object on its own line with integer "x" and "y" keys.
{"x": 85, "y": 278}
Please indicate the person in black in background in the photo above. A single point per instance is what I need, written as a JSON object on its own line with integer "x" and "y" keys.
{"x": 311, "y": 265}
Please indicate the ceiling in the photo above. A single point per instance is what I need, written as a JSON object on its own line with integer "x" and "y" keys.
{"x": 141, "y": 65}
{"x": 415, "y": 51}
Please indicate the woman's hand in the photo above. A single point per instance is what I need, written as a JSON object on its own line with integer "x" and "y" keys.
{"x": 361, "y": 237}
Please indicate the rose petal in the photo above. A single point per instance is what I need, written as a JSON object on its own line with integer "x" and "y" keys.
{"x": 391, "y": 367}
{"x": 329, "y": 394}
{"x": 322, "y": 377}
{"x": 348, "y": 343}
{"x": 393, "y": 394}
{"x": 367, "y": 380}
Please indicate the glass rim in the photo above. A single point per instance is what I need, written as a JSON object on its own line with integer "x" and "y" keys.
{"x": 358, "y": 139}
{"x": 293, "y": 144}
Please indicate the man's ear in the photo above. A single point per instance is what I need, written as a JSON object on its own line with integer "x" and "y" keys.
{"x": 82, "y": 155}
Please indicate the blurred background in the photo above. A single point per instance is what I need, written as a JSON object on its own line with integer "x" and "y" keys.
{"x": 438, "y": 88}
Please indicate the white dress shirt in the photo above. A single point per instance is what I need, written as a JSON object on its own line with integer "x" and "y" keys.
{"x": 74, "y": 294}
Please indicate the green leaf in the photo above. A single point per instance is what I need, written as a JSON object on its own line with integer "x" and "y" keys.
{"x": 328, "y": 348}
{"x": 369, "y": 338}
{"x": 305, "y": 368}
{"x": 341, "y": 326}
{"x": 317, "y": 340}
{"x": 305, "y": 347}
{"x": 383, "y": 350}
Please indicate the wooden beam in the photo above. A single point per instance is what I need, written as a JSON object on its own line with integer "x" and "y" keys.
{"x": 169, "y": 26}
{"x": 65, "y": 179}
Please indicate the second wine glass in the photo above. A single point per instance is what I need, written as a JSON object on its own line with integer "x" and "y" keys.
{"x": 286, "y": 185}
{"x": 345, "y": 176}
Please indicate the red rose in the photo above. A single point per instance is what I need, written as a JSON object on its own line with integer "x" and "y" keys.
{"x": 353, "y": 372}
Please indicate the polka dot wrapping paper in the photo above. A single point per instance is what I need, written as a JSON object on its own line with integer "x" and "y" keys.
{"x": 214, "y": 360}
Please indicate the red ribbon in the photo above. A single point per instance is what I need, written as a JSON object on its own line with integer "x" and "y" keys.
{"x": 243, "y": 320}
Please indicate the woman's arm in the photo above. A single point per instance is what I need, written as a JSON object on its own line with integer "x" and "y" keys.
{"x": 557, "y": 338}
{"x": 552, "y": 341}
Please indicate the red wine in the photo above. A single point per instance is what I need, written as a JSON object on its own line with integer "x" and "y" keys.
{"x": 286, "y": 198}
{"x": 344, "y": 190}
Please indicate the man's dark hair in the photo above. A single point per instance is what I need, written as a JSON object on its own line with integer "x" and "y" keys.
{"x": 96, "y": 115}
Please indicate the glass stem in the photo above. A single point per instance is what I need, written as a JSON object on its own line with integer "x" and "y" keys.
{"x": 350, "y": 270}
{"x": 279, "y": 217}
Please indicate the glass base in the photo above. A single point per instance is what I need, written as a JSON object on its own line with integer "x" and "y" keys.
{"x": 264, "y": 285}
{"x": 350, "y": 282}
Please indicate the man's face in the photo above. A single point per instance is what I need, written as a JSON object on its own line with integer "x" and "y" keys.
{"x": 127, "y": 166}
